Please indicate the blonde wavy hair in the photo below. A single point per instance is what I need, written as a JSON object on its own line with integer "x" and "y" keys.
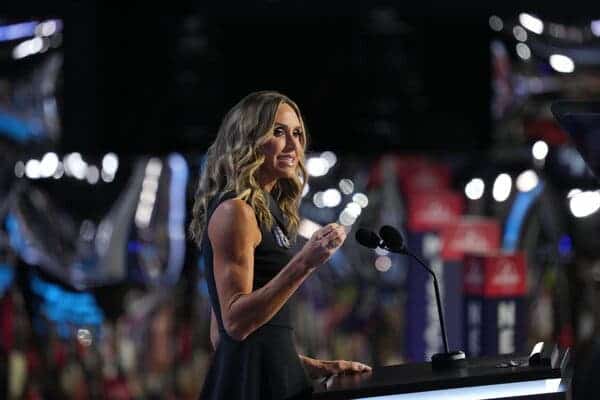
{"x": 233, "y": 160}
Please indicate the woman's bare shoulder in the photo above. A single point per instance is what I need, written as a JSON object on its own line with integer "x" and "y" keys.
{"x": 231, "y": 218}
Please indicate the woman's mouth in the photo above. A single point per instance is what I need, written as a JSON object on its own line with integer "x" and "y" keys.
{"x": 287, "y": 159}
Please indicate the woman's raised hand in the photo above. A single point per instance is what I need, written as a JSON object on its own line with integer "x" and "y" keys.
{"x": 323, "y": 243}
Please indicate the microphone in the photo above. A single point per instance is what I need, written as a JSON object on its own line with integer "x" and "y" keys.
{"x": 393, "y": 241}
{"x": 368, "y": 238}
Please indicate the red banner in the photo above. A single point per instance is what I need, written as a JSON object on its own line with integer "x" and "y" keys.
{"x": 469, "y": 235}
{"x": 495, "y": 275}
{"x": 412, "y": 172}
{"x": 419, "y": 177}
{"x": 433, "y": 210}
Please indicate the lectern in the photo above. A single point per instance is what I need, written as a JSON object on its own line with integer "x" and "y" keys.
{"x": 502, "y": 377}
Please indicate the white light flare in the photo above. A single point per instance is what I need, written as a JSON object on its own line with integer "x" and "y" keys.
{"x": 531, "y": 23}
{"x": 474, "y": 189}
{"x": 502, "y": 187}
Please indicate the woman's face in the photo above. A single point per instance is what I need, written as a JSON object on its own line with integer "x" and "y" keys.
{"x": 284, "y": 147}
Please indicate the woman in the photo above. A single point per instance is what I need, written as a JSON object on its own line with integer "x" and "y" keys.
{"x": 245, "y": 215}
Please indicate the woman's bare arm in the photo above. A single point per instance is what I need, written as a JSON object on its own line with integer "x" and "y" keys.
{"x": 234, "y": 234}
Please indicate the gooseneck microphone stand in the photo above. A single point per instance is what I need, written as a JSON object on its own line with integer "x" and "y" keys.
{"x": 448, "y": 359}
{"x": 392, "y": 241}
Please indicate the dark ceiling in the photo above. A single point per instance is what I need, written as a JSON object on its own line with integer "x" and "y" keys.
{"x": 369, "y": 76}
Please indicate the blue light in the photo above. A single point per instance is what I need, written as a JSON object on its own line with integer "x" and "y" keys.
{"x": 518, "y": 212}
{"x": 202, "y": 265}
{"x": 66, "y": 309}
{"x": 18, "y": 242}
{"x": 7, "y": 275}
{"x": 17, "y": 129}
{"x": 565, "y": 245}
{"x": 17, "y": 31}
{"x": 134, "y": 246}
{"x": 202, "y": 285}
{"x": 177, "y": 191}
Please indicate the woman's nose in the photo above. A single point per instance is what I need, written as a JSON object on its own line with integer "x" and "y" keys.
{"x": 290, "y": 142}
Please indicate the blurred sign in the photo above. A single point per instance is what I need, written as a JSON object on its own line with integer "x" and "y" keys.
{"x": 419, "y": 177}
{"x": 414, "y": 173}
{"x": 433, "y": 210}
{"x": 469, "y": 235}
{"x": 494, "y": 309}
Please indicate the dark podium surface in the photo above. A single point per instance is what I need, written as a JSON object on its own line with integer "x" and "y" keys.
{"x": 482, "y": 378}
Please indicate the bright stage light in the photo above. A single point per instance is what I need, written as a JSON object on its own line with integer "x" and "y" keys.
{"x": 475, "y": 188}
{"x": 531, "y": 23}
{"x": 562, "y": 63}
{"x": 539, "y": 150}
{"x": 527, "y": 180}
{"x": 502, "y": 187}
{"x": 584, "y": 204}
{"x": 361, "y": 199}
{"x": 332, "y": 198}
{"x": 317, "y": 166}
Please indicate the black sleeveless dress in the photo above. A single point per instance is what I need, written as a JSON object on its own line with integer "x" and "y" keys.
{"x": 265, "y": 365}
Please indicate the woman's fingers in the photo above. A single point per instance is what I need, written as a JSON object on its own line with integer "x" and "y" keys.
{"x": 336, "y": 234}
{"x": 355, "y": 366}
{"x": 345, "y": 367}
{"x": 333, "y": 243}
{"x": 328, "y": 230}
{"x": 326, "y": 241}
{"x": 360, "y": 367}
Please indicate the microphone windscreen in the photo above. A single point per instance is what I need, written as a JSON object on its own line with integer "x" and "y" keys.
{"x": 367, "y": 238}
{"x": 392, "y": 238}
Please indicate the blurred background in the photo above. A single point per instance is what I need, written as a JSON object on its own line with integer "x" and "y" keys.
{"x": 435, "y": 120}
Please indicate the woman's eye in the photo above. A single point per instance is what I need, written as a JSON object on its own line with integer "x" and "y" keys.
{"x": 278, "y": 132}
{"x": 298, "y": 133}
